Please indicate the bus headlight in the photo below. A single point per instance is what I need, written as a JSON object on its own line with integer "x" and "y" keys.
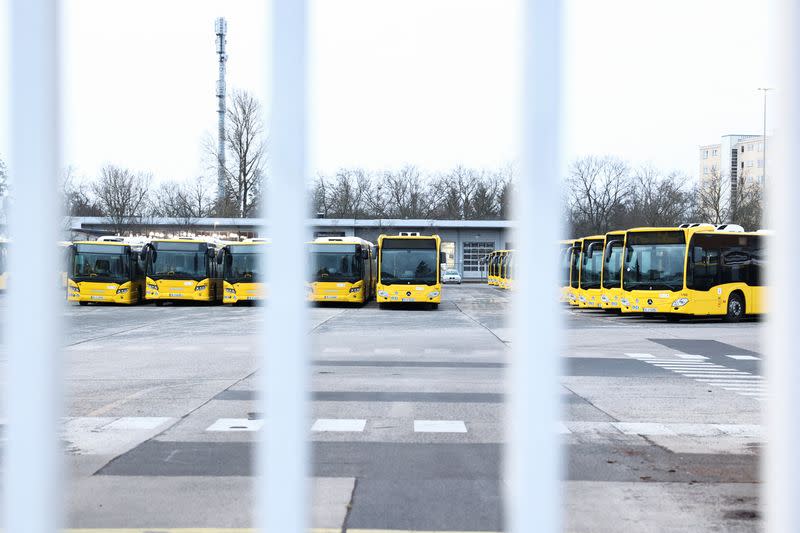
{"x": 383, "y": 294}
{"x": 625, "y": 302}
{"x": 582, "y": 298}
{"x": 122, "y": 291}
{"x": 434, "y": 294}
{"x": 604, "y": 298}
{"x": 680, "y": 302}
{"x": 355, "y": 289}
{"x": 230, "y": 291}
{"x": 152, "y": 287}
{"x": 200, "y": 288}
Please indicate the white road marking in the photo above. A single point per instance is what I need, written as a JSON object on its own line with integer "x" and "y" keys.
{"x": 691, "y": 356}
{"x": 236, "y": 424}
{"x": 741, "y": 430}
{"x": 339, "y": 425}
{"x": 714, "y": 374}
{"x": 387, "y": 351}
{"x": 640, "y": 355}
{"x": 562, "y": 429}
{"x": 236, "y": 348}
{"x": 762, "y": 394}
{"x": 744, "y": 357}
{"x": 439, "y": 426}
{"x": 431, "y": 351}
{"x": 342, "y": 349}
{"x": 137, "y": 422}
{"x": 642, "y": 428}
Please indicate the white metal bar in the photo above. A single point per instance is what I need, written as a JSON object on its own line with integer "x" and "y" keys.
{"x": 32, "y": 492}
{"x": 533, "y": 460}
{"x": 282, "y": 456}
{"x": 782, "y": 465}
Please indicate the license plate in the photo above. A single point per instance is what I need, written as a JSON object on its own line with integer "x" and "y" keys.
{"x": 98, "y": 297}
{"x": 252, "y": 297}
{"x": 408, "y": 299}
{"x": 393, "y": 298}
{"x": 176, "y": 295}
{"x": 649, "y": 309}
{"x": 330, "y": 297}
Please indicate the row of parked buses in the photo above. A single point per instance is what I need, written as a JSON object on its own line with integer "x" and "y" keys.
{"x": 691, "y": 270}
{"x": 128, "y": 270}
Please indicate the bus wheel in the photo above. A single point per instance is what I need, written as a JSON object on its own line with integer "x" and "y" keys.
{"x": 735, "y": 308}
{"x": 83, "y": 303}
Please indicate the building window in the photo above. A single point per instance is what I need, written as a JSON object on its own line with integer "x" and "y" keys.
{"x": 742, "y": 149}
{"x": 715, "y": 152}
{"x": 705, "y": 154}
{"x": 705, "y": 169}
{"x": 474, "y": 253}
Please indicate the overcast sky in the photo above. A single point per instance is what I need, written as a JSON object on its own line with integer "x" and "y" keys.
{"x": 411, "y": 81}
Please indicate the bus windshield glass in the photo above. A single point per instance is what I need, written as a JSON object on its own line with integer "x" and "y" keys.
{"x": 180, "y": 260}
{"x": 565, "y": 264}
{"x": 590, "y": 266}
{"x": 335, "y": 262}
{"x": 612, "y": 265}
{"x": 654, "y": 260}
{"x": 100, "y": 262}
{"x": 574, "y": 261}
{"x": 242, "y": 263}
{"x": 410, "y": 262}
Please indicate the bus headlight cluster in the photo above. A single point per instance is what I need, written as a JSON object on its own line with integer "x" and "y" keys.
{"x": 383, "y": 294}
{"x": 200, "y": 288}
{"x": 122, "y": 291}
{"x": 230, "y": 291}
{"x": 152, "y": 287}
{"x": 75, "y": 289}
{"x": 355, "y": 289}
{"x": 680, "y": 302}
{"x": 582, "y": 298}
{"x": 624, "y": 302}
{"x": 604, "y": 298}
{"x": 434, "y": 294}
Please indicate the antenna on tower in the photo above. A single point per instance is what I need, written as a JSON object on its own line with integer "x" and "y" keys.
{"x": 221, "y": 30}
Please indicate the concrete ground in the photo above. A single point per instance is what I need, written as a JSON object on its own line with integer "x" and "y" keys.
{"x": 662, "y": 428}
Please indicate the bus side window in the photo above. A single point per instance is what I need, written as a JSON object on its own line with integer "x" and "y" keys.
{"x": 757, "y": 258}
{"x": 705, "y": 266}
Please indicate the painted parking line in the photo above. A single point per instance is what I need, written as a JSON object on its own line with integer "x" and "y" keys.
{"x": 439, "y": 426}
{"x": 744, "y": 357}
{"x": 349, "y": 425}
{"x": 236, "y": 424}
{"x": 694, "y": 357}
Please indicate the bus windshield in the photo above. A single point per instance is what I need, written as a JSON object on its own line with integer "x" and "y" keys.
{"x": 574, "y": 261}
{"x": 654, "y": 260}
{"x": 180, "y": 261}
{"x": 335, "y": 262}
{"x": 565, "y": 264}
{"x": 612, "y": 266}
{"x": 101, "y": 262}
{"x": 590, "y": 266}
{"x": 242, "y": 264}
{"x": 409, "y": 262}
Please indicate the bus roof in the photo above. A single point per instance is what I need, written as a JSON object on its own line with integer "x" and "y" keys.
{"x": 594, "y": 237}
{"x": 103, "y": 243}
{"x": 409, "y": 237}
{"x": 341, "y": 240}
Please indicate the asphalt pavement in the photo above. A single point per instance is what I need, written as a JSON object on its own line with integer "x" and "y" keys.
{"x": 661, "y": 425}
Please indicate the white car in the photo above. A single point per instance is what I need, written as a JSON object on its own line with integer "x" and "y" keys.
{"x": 451, "y": 275}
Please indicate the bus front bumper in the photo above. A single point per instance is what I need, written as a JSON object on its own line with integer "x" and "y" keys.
{"x": 408, "y": 293}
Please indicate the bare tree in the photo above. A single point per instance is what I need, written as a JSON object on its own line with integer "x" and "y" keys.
{"x": 245, "y": 156}
{"x": 77, "y": 197}
{"x": 658, "y": 199}
{"x": 122, "y": 195}
{"x": 598, "y": 190}
{"x": 711, "y": 204}
{"x": 749, "y": 204}
{"x": 405, "y": 192}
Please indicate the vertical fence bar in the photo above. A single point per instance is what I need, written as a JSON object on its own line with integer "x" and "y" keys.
{"x": 31, "y": 486}
{"x": 533, "y": 460}
{"x": 282, "y": 456}
{"x": 782, "y": 363}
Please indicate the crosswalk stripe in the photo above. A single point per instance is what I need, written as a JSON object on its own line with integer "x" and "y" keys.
{"x": 343, "y": 425}
{"x": 744, "y": 357}
{"x": 236, "y": 424}
{"x": 691, "y": 356}
{"x": 640, "y": 355}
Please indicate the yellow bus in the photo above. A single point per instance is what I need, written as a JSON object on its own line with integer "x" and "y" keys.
{"x": 496, "y": 258}
{"x": 506, "y": 276}
{"x": 104, "y": 272}
{"x": 408, "y": 270}
{"x": 575, "y": 272}
{"x": 181, "y": 270}
{"x": 240, "y": 264}
{"x": 611, "y": 276}
{"x": 343, "y": 269}
{"x": 564, "y": 265}
{"x": 697, "y": 271}
{"x": 590, "y": 271}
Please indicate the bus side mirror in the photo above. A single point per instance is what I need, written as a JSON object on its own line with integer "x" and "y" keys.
{"x": 220, "y": 255}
